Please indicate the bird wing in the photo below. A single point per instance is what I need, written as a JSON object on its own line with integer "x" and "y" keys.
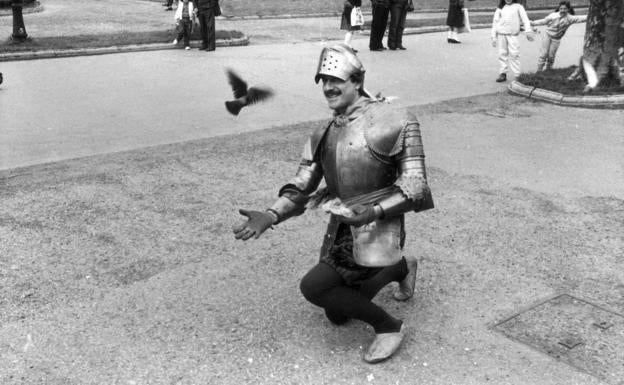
{"x": 258, "y": 94}
{"x": 239, "y": 87}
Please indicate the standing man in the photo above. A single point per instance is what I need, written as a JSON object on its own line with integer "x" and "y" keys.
{"x": 381, "y": 10}
{"x": 398, "y": 14}
{"x": 206, "y": 11}
{"x": 371, "y": 157}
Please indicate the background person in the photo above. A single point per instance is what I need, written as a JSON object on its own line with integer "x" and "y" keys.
{"x": 557, "y": 23}
{"x": 505, "y": 31}
{"x": 184, "y": 23}
{"x": 345, "y": 22}
{"x": 379, "y": 22}
{"x": 398, "y": 15}
{"x": 206, "y": 11}
{"x": 455, "y": 20}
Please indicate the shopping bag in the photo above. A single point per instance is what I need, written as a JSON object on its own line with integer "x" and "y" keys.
{"x": 466, "y": 28}
{"x": 357, "y": 18}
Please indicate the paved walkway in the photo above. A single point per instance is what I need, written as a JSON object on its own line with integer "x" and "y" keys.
{"x": 65, "y": 108}
{"x": 139, "y": 99}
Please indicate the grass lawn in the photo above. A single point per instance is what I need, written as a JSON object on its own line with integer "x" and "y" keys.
{"x": 556, "y": 80}
{"x": 107, "y": 40}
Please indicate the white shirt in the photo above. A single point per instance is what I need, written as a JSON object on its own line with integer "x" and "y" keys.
{"x": 507, "y": 20}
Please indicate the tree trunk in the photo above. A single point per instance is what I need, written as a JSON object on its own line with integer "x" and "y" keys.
{"x": 603, "y": 40}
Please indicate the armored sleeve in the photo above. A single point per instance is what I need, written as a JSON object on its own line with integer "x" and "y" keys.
{"x": 412, "y": 191}
{"x": 294, "y": 195}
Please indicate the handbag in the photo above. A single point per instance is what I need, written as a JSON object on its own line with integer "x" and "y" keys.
{"x": 466, "y": 28}
{"x": 357, "y": 18}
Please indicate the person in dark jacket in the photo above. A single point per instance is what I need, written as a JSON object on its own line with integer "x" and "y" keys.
{"x": 398, "y": 14}
{"x": 455, "y": 20}
{"x": 206, "y": 11}
{"x": 381, "y": 10}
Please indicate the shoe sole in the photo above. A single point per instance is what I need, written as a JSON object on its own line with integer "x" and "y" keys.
{"x": 381, "y": 359}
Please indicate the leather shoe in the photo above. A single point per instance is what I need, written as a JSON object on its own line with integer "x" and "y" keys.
{"x": 401, "y": 48}
{"x": 453, "y": 41}
{"x": 384, "y": 346}
{"x": 377, "y": 49}
{"x": 501, "y": 78}
{"x": 405, "y": 290}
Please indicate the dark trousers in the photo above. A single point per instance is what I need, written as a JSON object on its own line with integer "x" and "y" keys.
{"x": 398, "y": 14}
{"x": 324, "y": 287}
{"x": 207, "y": 28}
{"x": 378, "y": 26}
{"x": 185, "y": 31}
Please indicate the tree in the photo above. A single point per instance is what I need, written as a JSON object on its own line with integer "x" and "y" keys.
{"x": 603, "y": 48}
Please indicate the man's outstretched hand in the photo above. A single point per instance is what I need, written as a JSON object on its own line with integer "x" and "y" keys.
{"x": 257, "y": 223}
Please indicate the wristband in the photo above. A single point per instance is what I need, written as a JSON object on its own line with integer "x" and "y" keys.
{"x": 274, "y": 214}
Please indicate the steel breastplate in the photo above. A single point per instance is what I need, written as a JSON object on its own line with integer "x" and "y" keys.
{"x": 349, "y": 166}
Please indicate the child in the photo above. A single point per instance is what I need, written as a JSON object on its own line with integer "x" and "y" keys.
{"x": 505, "y": 31}
{"x": 182, "y": 16}
{"x": 345, "y": 23}
{"x": 557, "y": 24}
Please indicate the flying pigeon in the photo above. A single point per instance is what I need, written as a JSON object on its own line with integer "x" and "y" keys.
{"x": 244, "y": 96}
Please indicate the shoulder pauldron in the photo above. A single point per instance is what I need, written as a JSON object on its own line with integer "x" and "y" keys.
{"x": 385, "y": 129}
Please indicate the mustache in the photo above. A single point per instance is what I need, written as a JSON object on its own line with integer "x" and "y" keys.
{"x": 331, "y": 93}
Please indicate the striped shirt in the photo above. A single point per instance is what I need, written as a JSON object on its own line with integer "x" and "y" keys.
{"x": 558, "y": 25}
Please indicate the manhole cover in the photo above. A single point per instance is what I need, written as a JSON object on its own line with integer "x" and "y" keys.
{"x": 573, "y": 331}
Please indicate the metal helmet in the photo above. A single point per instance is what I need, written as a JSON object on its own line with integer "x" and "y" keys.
{"x": 338, "y": 61}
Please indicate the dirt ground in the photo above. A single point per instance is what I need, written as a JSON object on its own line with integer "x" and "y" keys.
{"x": 122, "y": 269}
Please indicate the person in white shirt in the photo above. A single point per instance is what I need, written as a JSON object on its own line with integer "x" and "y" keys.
{"x": 505, "y": 30}
{"x": 557, "y": 23}
{"x": 184, "y": 23}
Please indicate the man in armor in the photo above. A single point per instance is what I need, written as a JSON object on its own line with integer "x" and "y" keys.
{"x": 371, "y": 157}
